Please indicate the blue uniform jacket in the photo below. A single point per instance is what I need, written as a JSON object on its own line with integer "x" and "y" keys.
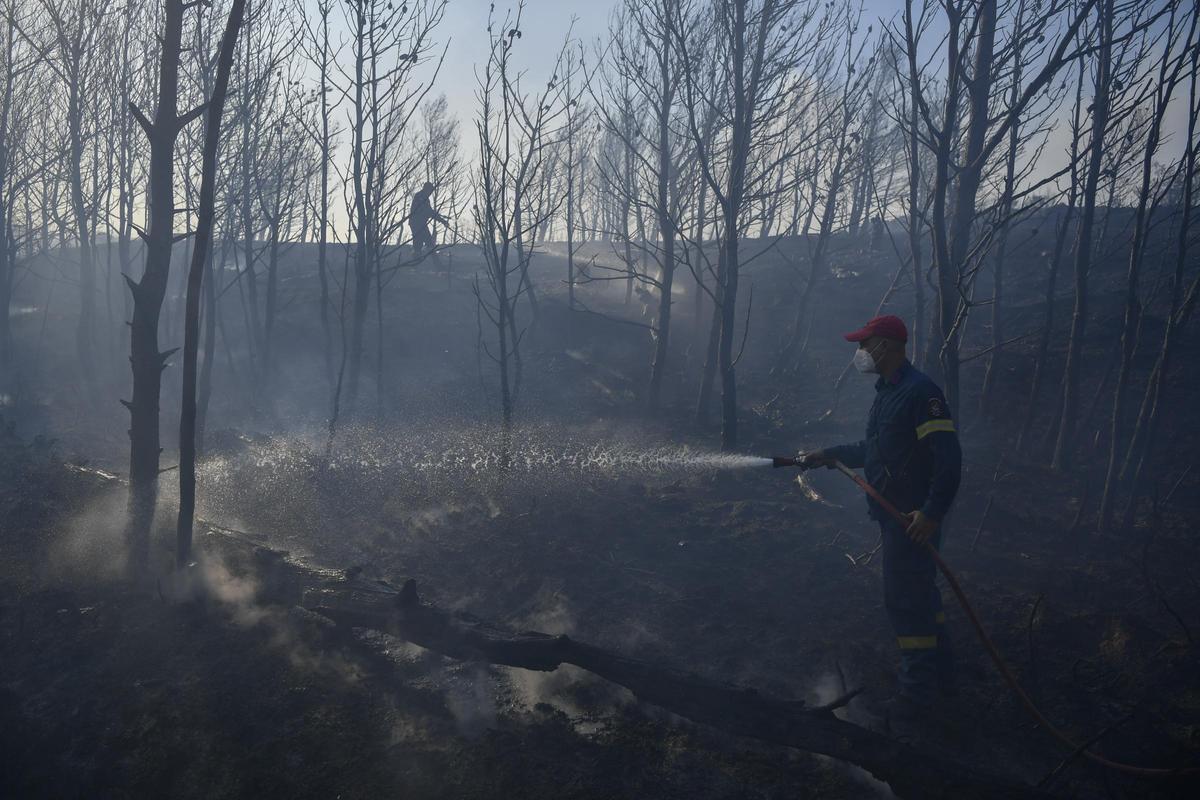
{"x": 911, "y": 453}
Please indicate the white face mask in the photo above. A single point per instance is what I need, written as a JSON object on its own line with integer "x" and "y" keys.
{"x": 864, "y": 362}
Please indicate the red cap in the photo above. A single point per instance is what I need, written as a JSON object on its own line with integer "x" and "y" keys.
{"x": 887, "y": 326}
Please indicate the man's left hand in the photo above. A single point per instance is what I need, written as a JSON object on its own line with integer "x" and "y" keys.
{"x": 920, "y": 527}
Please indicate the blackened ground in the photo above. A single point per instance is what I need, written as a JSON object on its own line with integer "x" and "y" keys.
{"x": 740, "y": 575}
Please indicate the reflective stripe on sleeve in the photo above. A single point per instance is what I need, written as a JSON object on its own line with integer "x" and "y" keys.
{"x": 917, "y": 642}
{"x": 934, "y": 425}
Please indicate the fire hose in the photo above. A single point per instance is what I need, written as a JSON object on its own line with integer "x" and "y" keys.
{"x": 988, "y": 644}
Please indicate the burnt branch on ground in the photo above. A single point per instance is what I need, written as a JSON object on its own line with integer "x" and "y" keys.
{"x": 352, "y": 601}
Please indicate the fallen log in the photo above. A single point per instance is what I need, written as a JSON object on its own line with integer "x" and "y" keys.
{"x": 351, "y": 601}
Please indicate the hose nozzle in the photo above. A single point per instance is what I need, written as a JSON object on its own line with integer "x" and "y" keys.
{"x": 786, "y": 461}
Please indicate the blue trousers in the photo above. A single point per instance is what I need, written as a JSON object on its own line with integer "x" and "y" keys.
{"x": 914, "y": 608}
{"x": 422, "y": 239}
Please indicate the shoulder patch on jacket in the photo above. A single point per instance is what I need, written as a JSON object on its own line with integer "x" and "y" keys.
{"x": 935, "y": 408}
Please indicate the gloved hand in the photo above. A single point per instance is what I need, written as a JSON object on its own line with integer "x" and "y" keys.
{"x": 817, "y": 458}
{"x": 920, "y": 527}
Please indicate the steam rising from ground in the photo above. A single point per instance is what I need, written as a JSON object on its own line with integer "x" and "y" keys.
{"x": 382, "y": 488}
{"x": 829, "y": 687}
{"x": 93, "y": 543}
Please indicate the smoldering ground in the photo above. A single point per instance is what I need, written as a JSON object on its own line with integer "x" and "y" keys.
{"x": 438, "y": 485}
{"x": 829, "y": 687}
{"x": 526, "y": 418}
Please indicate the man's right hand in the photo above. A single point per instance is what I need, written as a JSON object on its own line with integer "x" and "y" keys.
{"x": 817, "y": 458}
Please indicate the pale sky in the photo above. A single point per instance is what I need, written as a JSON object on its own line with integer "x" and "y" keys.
{"x": 546, "y": 22}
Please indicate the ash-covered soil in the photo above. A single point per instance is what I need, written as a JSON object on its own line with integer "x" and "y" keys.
{"x": 594, "y": 519}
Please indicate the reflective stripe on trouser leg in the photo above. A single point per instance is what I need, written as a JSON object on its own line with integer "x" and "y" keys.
{"x": 913, "y": 603}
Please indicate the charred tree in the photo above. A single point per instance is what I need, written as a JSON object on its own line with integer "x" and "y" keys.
{"x": 514, "y": 130}
{"x": 388, "y": 41}
{"x": 146, "y": 360}
{"x": 915, "y": 221}
{"x": 1064, "y": 443}
{"x": 961, "y": 150}
{"x": 75, "y": 30}
{"x": 17, "y": 67}
{"x": 1061, "y": 236}
{"x": 763, "y": 45}
{"x": 332, "y": 604}
{"x": 1004, "y": 213}
{"x": 644, "y": 72}
{"x": 321, "y": 52}
{"x": 656, "y": 24}
{"x": 215, "y": 108}
{"x": 1170, "y": 72}
{"x": 844, "y": 129}
{"x": 951, "y": 242}
{"x": 1181, "y": 304}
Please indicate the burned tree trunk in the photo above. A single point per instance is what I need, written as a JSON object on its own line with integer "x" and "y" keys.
{"x": 644, "y": 72}
{"x": 918, "y": 332}
{"x": 1169, "y": 74}
{"x": 847, "y": 130}
{"x": 75, "y": 30}
{"x": 353, "y": 602}
{"x": 627, "y": 200}
{"x": 362, "y": 262}
{"x": 709, "y": 372}
{"x": 572, "y": 132}
{"x": 992, "y": 369}
{"x": 1064, "y": 444}
{"x": 741, "y": 122}
{"x": 326, "y": 147}
{"x": 511, "y": 132}
{"x": 751, "y": 82}
{"x": 144, "y": 356}
{"x": 911, "y": 772}
{"x": 200, "y": 253}
{"x": 1040, "y": 367}
{"x": 698, "y": 264}
{"x": 951, "y": 265}
{"x": 666, "y": 222}
{"x": 798, "y": 338}
{"x": 1181, "y": 306}
{"x": 85, "y": 333}
{"x": 211, "y": 313}
{"x": 7, "y": 251}
{"x": 249, "y": 146}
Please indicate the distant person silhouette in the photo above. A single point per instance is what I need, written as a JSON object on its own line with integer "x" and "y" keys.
{"x": 418, "y": 220}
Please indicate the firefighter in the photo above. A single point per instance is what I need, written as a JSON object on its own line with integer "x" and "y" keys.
{"x": 911, "y": 455}
{"x": 418, "y": 220}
